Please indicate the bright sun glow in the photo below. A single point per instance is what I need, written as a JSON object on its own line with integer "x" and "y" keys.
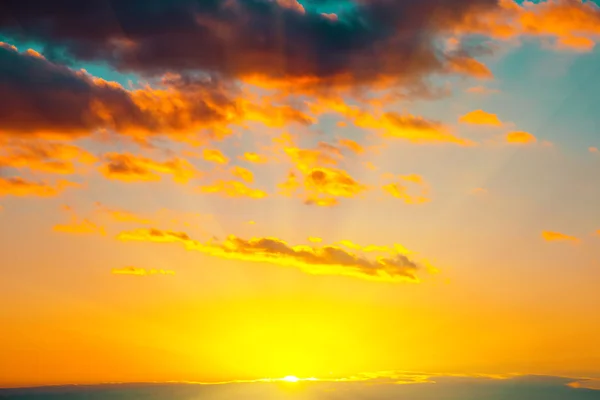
{"x": 291, "y": 379}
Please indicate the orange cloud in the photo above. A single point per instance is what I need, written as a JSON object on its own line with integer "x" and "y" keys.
{"x": 481, "y": 90}
{"x": 131, "y": 168}
{"x": 551, "y": 236}
{"x": 330, "y": 16}
{"x": 321, "y": 183}
{"x": 253, "y": 158}
{"x": 411, "y": 128}
{"x": 470, "y": 67}
{"x": 290, "y": 185}
{"x": 520, "y": 137}
{"x": 573, "y": 24}
{"x": 325, "y": 185}
{"x": 305, "y": 159}
{"x": 122, "y": 216}
{"x": 593, "y": 150}
{"x": 414, "y": 129}
{"x": 400, "y": 190}
{"x": 352, "y": 146}
{"x": 243, "y": 173}
{"x": 325, "y": 260}
{"x": 80, "y": 104}
{"x": 79, "y": 227}
{"x": 215, "y": 156}
{"x": 44, "y": 156}
{"x": 480, "y": 117}
{"x": 233, "y": 189}
{"x": 292, "y": 5}
{"x": 141, "y": 271}
{"x": 20, "y": 187}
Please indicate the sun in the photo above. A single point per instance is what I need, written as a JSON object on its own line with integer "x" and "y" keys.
{"x": 290, "y": 378}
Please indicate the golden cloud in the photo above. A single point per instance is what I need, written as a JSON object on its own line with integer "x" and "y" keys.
{"x": 122, "y": 215}
{"x": 233, "y": 189}
{"x": 520, "y": 137}
{"x": 20, "y": 187}
{"x": 253, "y": 158}
{"x": 400, "y": 189}
{"x": 325, "y": 260}
{"x": 78, "y": 226}
{"x": 480, "y": 117}
{"x": 574, "y": 24}
{"x": 130, "y": 168}
{"x": 411, "y": 128}
{"x": 352, "y": 146}
{"x": 322, "y": 184}
{"x": 243, "y": 173}
{"x": 215, "y": 156}
{"x": 414, "y": 129}
{"x": 44, "y": 156}
{"x": 325, "y": 185}
{"x": 552, "y": 236}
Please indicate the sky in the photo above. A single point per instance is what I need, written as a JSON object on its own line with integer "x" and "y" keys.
{"x": 225, "y": 190}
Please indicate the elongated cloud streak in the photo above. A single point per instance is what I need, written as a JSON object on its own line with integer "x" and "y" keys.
{"x": 325, "y": 260}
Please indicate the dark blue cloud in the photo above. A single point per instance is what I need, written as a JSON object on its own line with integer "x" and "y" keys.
{"x": 235, "y": 38}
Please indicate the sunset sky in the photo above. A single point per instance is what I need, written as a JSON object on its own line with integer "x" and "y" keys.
{"x": 222, "y": 190}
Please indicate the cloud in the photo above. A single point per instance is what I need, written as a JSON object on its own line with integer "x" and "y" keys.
{"x": 481, "y": 90}
{"x": 253, "y": 158}
{"x": 573, "y": 24}
{"x": 480, "y": 117}
{"x": 520, "y": 137}
{"x": 20, "y": 187}
{"x": 65, "y": 103}
{"x": 214, "y": 156}
{"x": 131, "y": 168}
{"x": 141, "y": 271}
{"x": 368, "y": 44}
{"x": 392, "y": 125}
{"x": 325, "y": 260}
{"x": 61, "y": 102}
{"x": 411, "y": 128}
{"x": 400, "y": 189}
{"x": 243, "y": 173}
{"x": 469, "y": 66}
{"x": 122, "y": 215}
{"x": 552, "y": 236}
{"x": 593, "y": 150}
{"x": 352, "y": 146}
{"x": 78, "y": 226}
{"x": 44, "y": 156}
{"x": 324, "y": 186}
{"x": 233, "y": 189}
{"x": 313, "y": 171}
{"x": 590, "y": 384}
